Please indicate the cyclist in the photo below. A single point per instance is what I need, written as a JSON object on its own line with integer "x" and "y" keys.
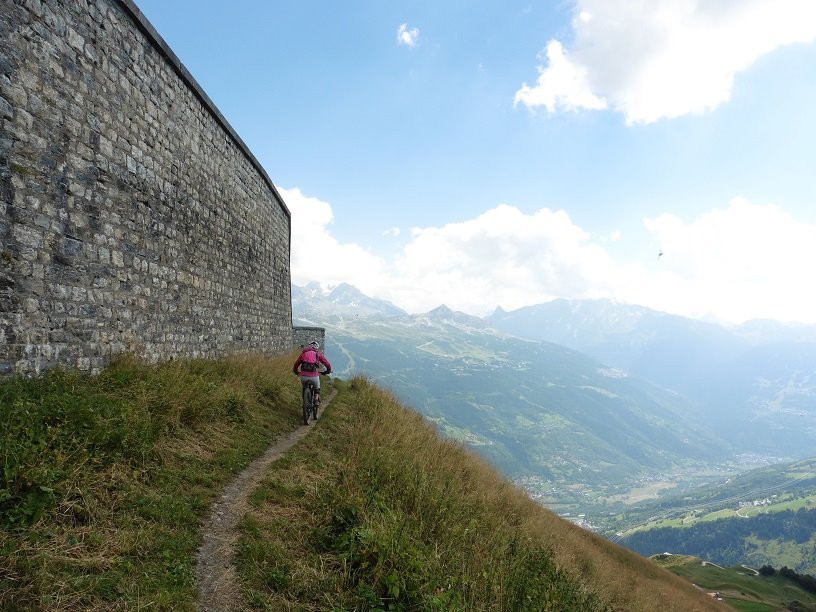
{"x": 307, "y": 366}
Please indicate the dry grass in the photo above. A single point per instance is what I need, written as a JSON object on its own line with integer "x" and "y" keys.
{"x": 375, "y": 510}
{"x": 105, "y": 482}
{"x": 106, "y": 479}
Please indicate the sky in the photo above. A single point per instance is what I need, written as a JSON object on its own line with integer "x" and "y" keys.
{"x": 506, "y": 153}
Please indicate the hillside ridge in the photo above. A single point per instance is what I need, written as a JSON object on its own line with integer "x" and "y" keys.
{"x": 420, "y": 523}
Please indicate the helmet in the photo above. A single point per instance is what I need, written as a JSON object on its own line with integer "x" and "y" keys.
{"x": 314, "y": 344}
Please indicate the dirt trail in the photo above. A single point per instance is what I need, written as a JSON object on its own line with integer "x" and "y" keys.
{"x": 218, "y": 588}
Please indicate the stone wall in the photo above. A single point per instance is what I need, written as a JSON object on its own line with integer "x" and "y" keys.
{"x": 303, "y": 335}
{"x": 132, "y": 217}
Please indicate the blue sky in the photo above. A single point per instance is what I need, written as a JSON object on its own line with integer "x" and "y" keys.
{"x": 486, "y": 153}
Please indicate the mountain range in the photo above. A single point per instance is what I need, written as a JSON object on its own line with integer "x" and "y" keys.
{"x": 344, "y": 300}
{"x": 563, "y": 423}
{"x": 593, "y": 395}
{"x": 757, "y": 381}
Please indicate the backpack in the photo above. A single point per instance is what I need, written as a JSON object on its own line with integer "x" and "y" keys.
{"x": 309, "y": 361}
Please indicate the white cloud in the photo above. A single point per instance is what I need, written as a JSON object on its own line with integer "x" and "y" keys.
{"x": 744, "y": 261}
{"x": 392, "y": 231}
{"x": 563, "y": 84}
{"x": 663, "y": 58}
{"x": 735, "y": 263}
{"x": 503, "y": 256}
{"x": 317, "y": 255}
{"x": 407, "y": 36}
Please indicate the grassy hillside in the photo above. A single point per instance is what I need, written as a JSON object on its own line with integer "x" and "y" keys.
{"x": 105, "y": 480}
{"x": 577, "y": 432}
{"x": 742, "y": 588}
{"x": 375, "y": 510}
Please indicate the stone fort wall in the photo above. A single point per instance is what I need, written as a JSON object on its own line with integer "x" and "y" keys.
{"x": 303, "y": 334}
{"x": 132, "y": 217}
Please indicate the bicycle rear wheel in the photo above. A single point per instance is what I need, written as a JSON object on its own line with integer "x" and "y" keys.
{"x": 308, "y": 400}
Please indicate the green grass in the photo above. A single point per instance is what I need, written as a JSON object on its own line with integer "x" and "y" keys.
{"x": 781, "y": 552}
{"x": 749, "y": 606}
{"x": 792, "y": 484}
{"x": 105, "y": 480}
{"x": 741, "y": 589}
{"x": 806, "y": 502}
{"x": 373, "y": 510}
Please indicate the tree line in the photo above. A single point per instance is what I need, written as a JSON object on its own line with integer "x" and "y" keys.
{"x": 724, "y": 541}
{"x": 806, "y": 581}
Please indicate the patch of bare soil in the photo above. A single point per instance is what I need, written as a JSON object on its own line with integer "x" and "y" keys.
{"x": 218, "y": 587}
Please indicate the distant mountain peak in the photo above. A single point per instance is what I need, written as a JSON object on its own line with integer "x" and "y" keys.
{"x": 440, "y": 311}
{"x": 342, "y": 301}
{"x": 346, "y": 291}
{"x": 445, "y": 314}
{"x": 345, "y": 287}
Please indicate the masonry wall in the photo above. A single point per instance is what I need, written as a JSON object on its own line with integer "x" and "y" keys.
{"x": 304, "y": 334}
{"x": 132, "y": 217}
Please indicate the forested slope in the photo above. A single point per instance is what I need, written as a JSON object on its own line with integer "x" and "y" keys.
{"x": 777, "y": 539}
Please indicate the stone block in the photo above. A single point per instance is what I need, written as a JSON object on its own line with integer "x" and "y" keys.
{"x": 14, "y": 93}
{"x": 6, "y": 109}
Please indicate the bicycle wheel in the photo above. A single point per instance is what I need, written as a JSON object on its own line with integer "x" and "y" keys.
{"x": 315, "y": 406}
{"x": 308, "y": 400}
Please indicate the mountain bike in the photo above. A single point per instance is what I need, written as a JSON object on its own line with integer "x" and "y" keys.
{"x": 309, "y": 403}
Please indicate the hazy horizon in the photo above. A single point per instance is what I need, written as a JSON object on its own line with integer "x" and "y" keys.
{"x": 327, "y": 288}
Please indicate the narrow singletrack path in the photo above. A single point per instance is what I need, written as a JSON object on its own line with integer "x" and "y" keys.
{"x": 218, "y": 588}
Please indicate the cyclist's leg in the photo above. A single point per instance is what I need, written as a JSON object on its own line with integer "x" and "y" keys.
{"x": 309, "y": 379}
{"x": 316, "y": 381}
{"x": 308, "y": 398}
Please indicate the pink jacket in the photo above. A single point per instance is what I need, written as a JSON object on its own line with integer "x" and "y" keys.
{"x": 320, "y": 358}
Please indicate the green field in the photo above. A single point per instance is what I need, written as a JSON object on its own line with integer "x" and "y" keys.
{"x": 788, "y": 486}
{"x": 741, "y": 588}
{"x": 762, "y": 517}
{"x": 787, "y": 502}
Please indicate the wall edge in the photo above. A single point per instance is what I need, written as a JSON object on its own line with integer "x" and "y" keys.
{"x": 133, "y": 11}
